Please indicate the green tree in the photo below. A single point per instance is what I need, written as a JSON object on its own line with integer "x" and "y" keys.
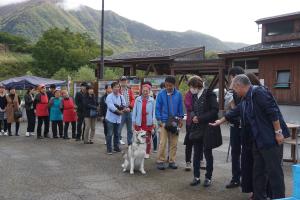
{"x": 62, "y": 48}
{"x": 85, "y": 73}
{"x": 15, "y": 43}
{"x": 62, "y": 74}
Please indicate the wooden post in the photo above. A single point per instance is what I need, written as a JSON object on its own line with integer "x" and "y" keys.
{"x": 221, "y": 88}
{"x": 126, "y": 71}
{"x": 133, "y": 70}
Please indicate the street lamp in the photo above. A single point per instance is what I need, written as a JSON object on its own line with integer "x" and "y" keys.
{"x": 101, "y": 70}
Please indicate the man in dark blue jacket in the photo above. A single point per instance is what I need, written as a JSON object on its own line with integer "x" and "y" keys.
{"x": 259, "y": 109}
{"x": 169, "y": 105}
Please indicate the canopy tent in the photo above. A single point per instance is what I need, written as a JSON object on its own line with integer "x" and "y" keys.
{"x": 25, "y": 82}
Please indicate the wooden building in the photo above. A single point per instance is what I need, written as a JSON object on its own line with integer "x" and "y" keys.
{"x": 276, "y": 59}
{"x": 179, "y": 61}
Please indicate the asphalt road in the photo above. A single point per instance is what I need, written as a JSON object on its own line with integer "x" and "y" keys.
{"x": 56, "y": 169}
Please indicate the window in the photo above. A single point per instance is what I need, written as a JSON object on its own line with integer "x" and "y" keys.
{"x": 249, "y": 64}
{"x": 280, "y": 28}
{"x": 283, "y": 79}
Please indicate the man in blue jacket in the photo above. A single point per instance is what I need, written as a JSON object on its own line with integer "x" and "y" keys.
{"x": 169, "y": 105}
{"x": 260, "y": 111}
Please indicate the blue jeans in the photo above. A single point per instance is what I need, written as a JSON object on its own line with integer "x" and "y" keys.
{"x": 126, "y": 118}
{"x": 235, "y": 142}
{"x": 112, "y": 130}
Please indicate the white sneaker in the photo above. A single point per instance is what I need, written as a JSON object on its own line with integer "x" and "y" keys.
{"x": 5, "y": 134}
{"x": 147, "y": 156}
{"x": 121, "y": 142}
{"x": 27, "y": 134}
{"x": 105, "y": 143}
{"x": 31, "y": 134}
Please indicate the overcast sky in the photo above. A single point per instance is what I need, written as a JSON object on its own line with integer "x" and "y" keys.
{"x": 228, "y": 20}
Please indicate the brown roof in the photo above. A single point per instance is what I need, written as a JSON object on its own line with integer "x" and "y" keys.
{"x": 277, "y": 18}
{"x": 152, "y": 54}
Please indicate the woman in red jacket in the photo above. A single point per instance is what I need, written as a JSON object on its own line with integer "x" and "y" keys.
{"x": 69, "y": 114}
{"x": 41, "y": 110}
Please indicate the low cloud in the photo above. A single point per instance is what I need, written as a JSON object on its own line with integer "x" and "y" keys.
{"x": 7, "y": 2}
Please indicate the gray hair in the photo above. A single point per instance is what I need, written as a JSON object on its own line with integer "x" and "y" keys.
{"x": 241, "y": 79}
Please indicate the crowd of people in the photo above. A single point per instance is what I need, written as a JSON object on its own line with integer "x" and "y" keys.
{"x": 257, "y": 128}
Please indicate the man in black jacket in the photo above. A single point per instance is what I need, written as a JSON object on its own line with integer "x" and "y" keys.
{"x": 79, "y": 97}
{"x": 103, "y": 107}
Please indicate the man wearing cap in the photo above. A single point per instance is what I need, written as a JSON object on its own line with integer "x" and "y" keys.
{"x": 127, "y": 116}
{"x": 79, "y": 98}
{"x": 42, "y": 112}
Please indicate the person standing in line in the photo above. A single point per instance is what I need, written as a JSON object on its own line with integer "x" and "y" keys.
{"x": 13, "y": 105}
{"x": 143, "y": 115}
{"x": 69, "y": 114}
{"x": 116, "y": 107}
{"x": 42, "y": 111}
{"x": 51, "y": 91}
{"x": 103, "y": 108}
{"x": 128, "y": 95}
{"x": 56, "y": 117}
{"x": 29, "y": 99}
{"x": 168, "y": 112}
{"x": 79, "y": 97}
{"x": 90, "y": 109}
{"x": 3, "y": 104}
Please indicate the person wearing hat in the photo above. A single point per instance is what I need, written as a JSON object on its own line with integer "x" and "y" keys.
{"x": 29, "y": 99}
{"x": 80, "y": 110}
{"x": 56, "y": 116}
{"x": 41, "y": 109}
{"x": 143, "y": 115}
{"x": 13, "y": 105}
{"x": 128, "y": 94}
{"x": 3, "y": 104}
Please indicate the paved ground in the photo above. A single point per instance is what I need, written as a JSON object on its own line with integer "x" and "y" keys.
{"x": 51, "y": 169}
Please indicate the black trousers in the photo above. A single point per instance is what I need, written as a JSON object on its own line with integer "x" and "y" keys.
{"x": 30, "y": 120}
{"x": 66, "y": 127}
{"x": 3, "y": 125}
{"x": 43, "y": 120}
{"x": 198, "y": 154}
{"x": 80, "y": 123}
{"x": 17, "y": 127}
{"x": 58, "y": 124}
{"x": 235, "y": 142}
{"x": 105, "y": 127}
{"x": 267, "y": 167}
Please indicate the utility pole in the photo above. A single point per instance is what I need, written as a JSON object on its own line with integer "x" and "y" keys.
{"x": 101, "y": 70}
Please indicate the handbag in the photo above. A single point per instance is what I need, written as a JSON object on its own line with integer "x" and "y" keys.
{"x": 196, "y": 132}
{"x": 172, "y": 122}
{"x": 18, "y": 114}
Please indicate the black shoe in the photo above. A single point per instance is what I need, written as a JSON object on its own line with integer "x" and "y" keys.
{"x": 173, "y": 166}
{"x": 161, "y": 166}
{"x": 207, "y": 182}
{"x": 118, "y": 150}
{"x": 17, "y": 134}
{"x": 86, "y": 143}
{"x": 66, "y": 138}
{"x": 233, "y": 184}
{"x": 9, "y": 134}
{"x": 78, "y": 139}
{"x": 61, "y": 136}
{"x": 55, "y": 137}
{"x": 46, "y": 136}
{"x": 196, "y": 181}
{"x": 91, "y": 142}
{"x": 39, "y": 137}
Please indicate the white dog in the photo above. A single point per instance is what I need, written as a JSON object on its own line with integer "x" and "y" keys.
{"x": 134, "y": 159}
